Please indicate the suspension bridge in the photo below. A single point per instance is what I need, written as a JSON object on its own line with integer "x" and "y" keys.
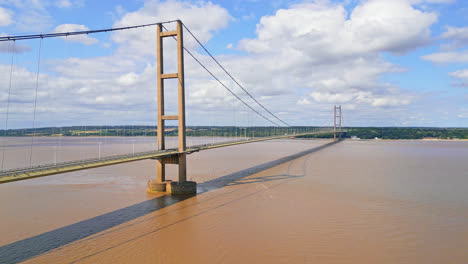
{"x": 243, "y": 105}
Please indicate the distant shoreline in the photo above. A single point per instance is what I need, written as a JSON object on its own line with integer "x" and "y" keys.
{"x": 363, "y": 133}
{"x": 426, "y": 140}
{"x": 371, "y": 139}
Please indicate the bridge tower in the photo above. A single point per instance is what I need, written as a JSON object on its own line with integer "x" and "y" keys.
{"x": 337, "y": 114}
{"x": 161, "y": 185}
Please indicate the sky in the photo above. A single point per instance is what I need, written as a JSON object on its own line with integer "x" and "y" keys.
{"x": 387, "y": 63}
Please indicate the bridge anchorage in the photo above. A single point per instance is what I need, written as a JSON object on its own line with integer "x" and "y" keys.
{"x": 180, "y": 159}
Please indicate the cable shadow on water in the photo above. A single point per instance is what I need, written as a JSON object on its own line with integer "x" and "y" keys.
{"x": 31, "y": 247}
{"x": 236, "y": 176}
{"x": 264, "y": 179}
{"x": 287, "y": 176}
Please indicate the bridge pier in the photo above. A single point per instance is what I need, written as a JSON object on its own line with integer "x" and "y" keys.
{"x": 160, "y": 184}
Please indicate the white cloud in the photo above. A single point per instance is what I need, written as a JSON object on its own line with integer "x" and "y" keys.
{"x": 390, "y": 101}
{"x": 319, "y": 49}
{"x": 5, "y": 17}
{"x": 119, "y": 88}
{"x": 128, "y": 79}
{"x": 63, "y": 3}
{"x": 447, "y": 57}
{"x": 456, "y": 34}
{"x": 425, "y": 3}
{"x": 456, "y": 37}
{"x": 69, "y": 3}
{"x": 33, "y": 19}
{"x": 462, "y": 76}
{"x": 453, "y": 52}
{"x": 85, "y": 39}
{"x": 374, "y": 26}
{"x": 31, "y": 4}
{"x": 10, "y": 47}
{"x": 33, "y": 15}
{"x": 360, "y": 97}
{"x": 303, "y": 101}
{"x": 203, "y": 19}
{"x": 41, "y": 4}
{"x": 338, "y": 98}
{"x": 436, "y": 1}
{"x": 336, "y": 56}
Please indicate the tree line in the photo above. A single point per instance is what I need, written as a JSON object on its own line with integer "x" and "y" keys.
{"x": 231, "y": 131}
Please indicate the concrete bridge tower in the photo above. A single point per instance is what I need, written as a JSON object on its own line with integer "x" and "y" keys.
{"x": 337, "y": 114}
{"x": 160, "y": 184}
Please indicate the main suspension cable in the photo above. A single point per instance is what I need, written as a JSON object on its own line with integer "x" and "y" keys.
{"x": 66, "y": 34}
{"x": 227, "y": 88}
{"x": 232, "y": 78}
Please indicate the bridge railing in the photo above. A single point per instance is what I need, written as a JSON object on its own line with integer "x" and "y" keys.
{"x": 115, "y": 159}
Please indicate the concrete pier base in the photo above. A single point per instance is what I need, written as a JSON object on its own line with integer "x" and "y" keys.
{"x": 188, "y": 187}
{"x": 156, "y": 186}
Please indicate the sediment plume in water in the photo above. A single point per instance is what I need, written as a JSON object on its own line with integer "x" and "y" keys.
{"x": 351, "y": 202}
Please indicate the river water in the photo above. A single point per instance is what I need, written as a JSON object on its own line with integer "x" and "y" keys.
{"x": 283, "y": 201}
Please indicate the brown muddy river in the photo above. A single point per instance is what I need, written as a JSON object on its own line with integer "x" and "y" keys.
{"x": 284, "y": 201}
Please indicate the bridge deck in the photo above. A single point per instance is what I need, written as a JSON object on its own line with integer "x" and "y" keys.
{"x": 50, "y": 169}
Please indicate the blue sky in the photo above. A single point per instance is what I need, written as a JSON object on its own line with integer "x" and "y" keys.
{"x": 389, "y": 63}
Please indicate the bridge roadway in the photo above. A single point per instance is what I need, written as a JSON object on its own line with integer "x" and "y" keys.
{"x": 50, "y": 169}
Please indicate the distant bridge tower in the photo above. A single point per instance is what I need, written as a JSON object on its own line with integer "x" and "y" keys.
{"x": 337, "y": 114}
{"x": 161, "y": 185}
